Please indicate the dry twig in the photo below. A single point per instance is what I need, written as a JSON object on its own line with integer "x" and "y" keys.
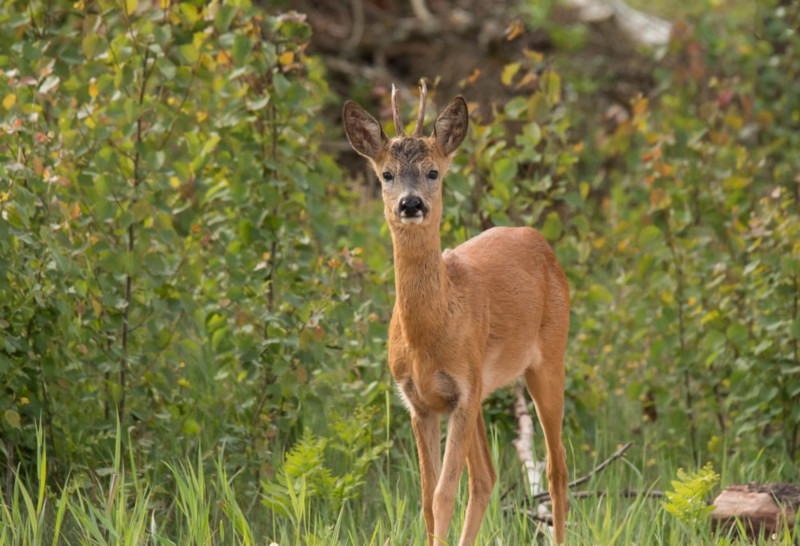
{"x": 596, "y": 470}
{"x": 532, "y": 470}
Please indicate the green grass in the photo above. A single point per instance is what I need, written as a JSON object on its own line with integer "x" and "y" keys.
{"x": 195, "y": 502}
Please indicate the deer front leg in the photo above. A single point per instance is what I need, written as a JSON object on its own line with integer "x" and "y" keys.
{"x": 426, "y": 433}
{"x": 460, "y": 432}
{"x": 482, "y": 478}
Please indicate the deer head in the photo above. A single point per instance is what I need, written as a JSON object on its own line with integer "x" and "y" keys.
{"x": 410, "y": 168}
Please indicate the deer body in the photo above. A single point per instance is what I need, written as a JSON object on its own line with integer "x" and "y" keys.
{"x": 465, "y": 322}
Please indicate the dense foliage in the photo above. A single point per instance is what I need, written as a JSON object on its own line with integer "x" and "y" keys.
{"x": 699, "y": 243}
{"x": 165, "y": 233}
{"x": 181, "y": 254}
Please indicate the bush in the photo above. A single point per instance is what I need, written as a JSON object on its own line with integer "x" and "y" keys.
{"x": 692, "y": 238}
{"x": 170, "y": 257}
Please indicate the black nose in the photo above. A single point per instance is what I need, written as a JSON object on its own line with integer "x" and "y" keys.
{"x": 411, "y": 206}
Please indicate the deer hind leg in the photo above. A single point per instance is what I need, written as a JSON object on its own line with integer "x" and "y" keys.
{"x": 482, "y": 478}
{"x": 427, "y": 435}
{"x": 546, "y": 385}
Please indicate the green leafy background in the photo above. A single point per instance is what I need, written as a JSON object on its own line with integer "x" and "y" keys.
{"x": 182, "y": 253}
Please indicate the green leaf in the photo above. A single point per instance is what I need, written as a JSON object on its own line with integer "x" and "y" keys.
{"x": 210, "y": 144}
{"x": 218, "y": 338}
{"x": 504, "y": 170}
{"x": 91, "y": 45}
{"x": 763, "y": 346}
{"x": 242, "y": 46}
{"x": 599, "y": 293}
{"x": 131, "y": 6}
{"x": 12, "y": 418}
{"x": 246, "y": 231}
{"x": 532, "y": 133}
{"x": 189, "y": 53}
{"x": 190, "y": 12}
{"x": 552, "y": 227}
{"x": 550, "y": 84}
{"x": 281, "y": 84}
{"x": 737, "y": 333}
{"x": 790, "y": 264}
{"x": 735, "y": 182}
{"x": 516, "y": 107}
{"x": 191, "y": 427}
{"x": 101, "y": 185}
{"x": 224, "y": 17}
{"x": 259, "y": 103}
{"x": 538, "y": 107}
{"x": 648, "y": 235}
{"x": 167, "y": 68}
{"x": 509, "y": 71}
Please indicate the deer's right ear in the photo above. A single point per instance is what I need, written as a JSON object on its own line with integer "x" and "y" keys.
{"x": 363, "y": 131}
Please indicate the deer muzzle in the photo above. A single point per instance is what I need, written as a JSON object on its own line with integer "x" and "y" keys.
{"x": 411, "y": 209}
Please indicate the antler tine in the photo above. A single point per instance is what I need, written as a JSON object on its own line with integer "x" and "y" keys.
{"x": 423, "y": 96}
{"x": 398, "y": 122}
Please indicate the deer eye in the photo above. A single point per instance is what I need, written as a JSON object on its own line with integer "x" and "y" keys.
{"x": 388, "y": 177}
{"x": 433, "y": 175}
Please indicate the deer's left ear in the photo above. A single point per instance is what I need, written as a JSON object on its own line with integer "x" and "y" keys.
{"x": 363, "y": 131}
{"x": 451, "y": 126}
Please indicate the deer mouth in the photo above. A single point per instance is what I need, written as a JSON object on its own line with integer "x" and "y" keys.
{"x": 412, "y": 219}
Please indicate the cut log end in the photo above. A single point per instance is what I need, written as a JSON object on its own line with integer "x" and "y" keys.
{"x": 763, "y": 509}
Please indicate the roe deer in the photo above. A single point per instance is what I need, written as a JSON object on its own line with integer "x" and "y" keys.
{"x": 465, "y": 321}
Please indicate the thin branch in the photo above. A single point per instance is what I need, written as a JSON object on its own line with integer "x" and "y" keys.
{"x": 796, "y": 359}
{"x": 547, "y": 518}
{"x": 357, "y": 30}
{"x": 10, "y": 452}
{"x": 678, "y": 263}
{"x": 128, "y": 25}
{"x": 36, "y": 30}
{"x": 179, "y": 108}
{"x": 599, "y": 468}
{"x": 137, "y": 179}
{"x": 628, "y": 493}
{"x": 165, "y": 345}
{"x": 368, "y": 72}
{"x": 422, "y": 12}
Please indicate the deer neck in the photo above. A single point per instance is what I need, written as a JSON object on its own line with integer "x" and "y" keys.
{"x": 420, "y": 282}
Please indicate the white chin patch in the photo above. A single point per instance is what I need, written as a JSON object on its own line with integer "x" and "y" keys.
{"x": 411, "y": 219}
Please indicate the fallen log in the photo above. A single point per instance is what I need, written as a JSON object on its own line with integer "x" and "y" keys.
{"x": 762, "y": 509}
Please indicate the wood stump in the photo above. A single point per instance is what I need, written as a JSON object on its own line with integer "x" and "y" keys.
{"x": 763, "y": 509}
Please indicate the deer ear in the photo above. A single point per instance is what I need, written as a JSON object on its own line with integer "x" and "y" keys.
{"x": 451, "y": 126}
{"x": 363, "y": 131}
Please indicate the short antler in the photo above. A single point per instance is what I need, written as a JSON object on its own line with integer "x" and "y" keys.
{"x": 398, "y": 122}
{"x": 423, "y": 96}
